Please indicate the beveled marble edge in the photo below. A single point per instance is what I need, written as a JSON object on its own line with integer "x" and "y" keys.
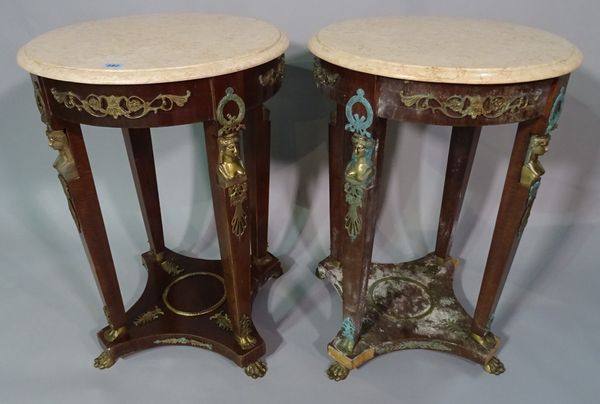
{"x": 149, "y": 76}
{"x": 450, "y": 75}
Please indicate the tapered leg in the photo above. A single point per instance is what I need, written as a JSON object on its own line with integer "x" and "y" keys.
{"x": 360, "y": 185}
{"x": 336, "y": 175}
{"x": 513, "y": 205}
{"x": 257, "y": 151}
{"x": 520, "y": 189}
{"x": 229, "y": 191}
{"x": 463, "y": 145}
{"x": 76, "y": 177}
{"x": 357, "y": 252}
{"x": 141, "y": 159}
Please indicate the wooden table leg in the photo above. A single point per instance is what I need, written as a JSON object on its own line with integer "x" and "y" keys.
{"x": 138, "y": 143}
{"x": 463, "y": 144}
{"x": 360, "y": 188}
{"x": 76, "y": 177}
{"x": 338, "y": 145}
{"x": 520, "y": 189}
{"x": 357, "y": 252}
{"x": 257, "y": 152}
{"x": 229, "y": 191}
{"x": 336, "y": 185}
{"x": 516, "y": 201}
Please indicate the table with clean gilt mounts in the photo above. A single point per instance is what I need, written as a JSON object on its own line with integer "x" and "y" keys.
{"x": 442, "y": 71}
{"x": 181, "y": 69}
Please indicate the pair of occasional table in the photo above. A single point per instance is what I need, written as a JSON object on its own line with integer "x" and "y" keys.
{"x": 220, "y": 70}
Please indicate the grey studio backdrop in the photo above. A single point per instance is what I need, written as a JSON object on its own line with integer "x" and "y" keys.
{"x": 50, "y": 308}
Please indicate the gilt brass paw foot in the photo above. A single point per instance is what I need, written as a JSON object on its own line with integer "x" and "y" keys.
{"x": 494, "y": 366}
{"x": 337, "y": 372}
{"x": 104, "y": 361}
{"x": 256, "y": 369}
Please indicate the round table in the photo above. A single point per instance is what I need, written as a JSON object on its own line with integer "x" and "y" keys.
{"x": 458, "y": 72}
{"x": 146, "y": 71}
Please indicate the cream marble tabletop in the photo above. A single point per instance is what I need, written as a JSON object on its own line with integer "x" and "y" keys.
{"x": 155, "y": 48}
{"x": 446, "y": 50}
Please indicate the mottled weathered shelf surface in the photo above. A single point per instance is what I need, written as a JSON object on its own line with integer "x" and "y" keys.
{"x": 412, "y": 306}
